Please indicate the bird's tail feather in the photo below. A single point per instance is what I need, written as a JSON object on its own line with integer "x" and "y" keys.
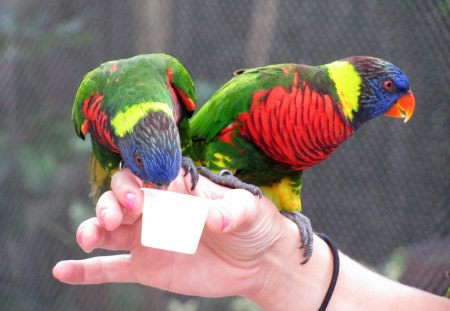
{"x": 99, "y": 179}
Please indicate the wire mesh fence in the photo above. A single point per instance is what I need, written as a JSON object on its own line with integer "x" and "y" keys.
{"x": 383, "y": 196}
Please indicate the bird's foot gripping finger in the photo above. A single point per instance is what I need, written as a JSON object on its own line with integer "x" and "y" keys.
{"x": 306, "y": 232}
{"x": 189, "y": 167}
{"x": 227, "y": 179}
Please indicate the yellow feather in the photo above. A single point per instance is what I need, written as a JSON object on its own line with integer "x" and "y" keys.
{"x": 99, "y": 178}
{"x": 221, "y": 160}
{"x": 124, "y": 121}
{"x": 284, "y": 194}
{"x": 348, "y": 85}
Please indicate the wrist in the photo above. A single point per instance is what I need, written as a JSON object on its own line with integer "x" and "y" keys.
{"x": 283, "y": 283}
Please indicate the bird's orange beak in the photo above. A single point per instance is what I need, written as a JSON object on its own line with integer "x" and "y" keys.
{"x": 403, "y": 108}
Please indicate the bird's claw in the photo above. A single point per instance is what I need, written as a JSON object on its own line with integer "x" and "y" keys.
{"x": 306, "y": 232}
{"x": 227, "y": 179}
{"x": 189, "y": 167}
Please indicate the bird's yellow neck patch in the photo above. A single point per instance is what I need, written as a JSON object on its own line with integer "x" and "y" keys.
{"x": 124, "y": 121}
{"x": 348, "y": 86}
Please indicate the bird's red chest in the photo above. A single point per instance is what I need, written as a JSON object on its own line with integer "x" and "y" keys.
{"x": 97, "y": 122}
{"x": 298, "y": 127}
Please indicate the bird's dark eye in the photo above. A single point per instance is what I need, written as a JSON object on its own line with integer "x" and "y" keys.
{"x": 138, "y": 160}
{"x": 388, "y": 85}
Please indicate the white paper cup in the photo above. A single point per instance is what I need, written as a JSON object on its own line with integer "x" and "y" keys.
{"x": 172, "y": 221}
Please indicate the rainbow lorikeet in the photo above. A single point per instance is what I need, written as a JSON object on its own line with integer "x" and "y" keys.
{"x": 136, "y": 111}
{"x": 266, "y": 125}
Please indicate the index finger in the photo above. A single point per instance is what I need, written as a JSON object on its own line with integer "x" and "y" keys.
{"x": 96, "y": 270}
{"x": 127, "y": 189}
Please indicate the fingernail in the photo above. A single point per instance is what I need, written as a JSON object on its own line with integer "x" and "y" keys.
{"x": 130, "y": 198}
{"x": 225, "y": 220}
{"x": 102, "y": 216}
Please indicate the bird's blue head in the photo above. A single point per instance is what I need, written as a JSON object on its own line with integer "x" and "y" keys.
{"x": 152, "y": 151}
{"x": 384, "y": 90}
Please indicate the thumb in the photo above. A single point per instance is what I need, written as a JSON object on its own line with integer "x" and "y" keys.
{"x": 235, "y": 210}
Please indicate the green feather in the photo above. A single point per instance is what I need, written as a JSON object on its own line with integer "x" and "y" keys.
{"x": 131, "y": 89}
{"x": 337, "y": 83}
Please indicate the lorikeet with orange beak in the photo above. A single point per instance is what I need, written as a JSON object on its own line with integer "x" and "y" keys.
{"x": 136, "y": 111}
{"x": 266, "y": 125}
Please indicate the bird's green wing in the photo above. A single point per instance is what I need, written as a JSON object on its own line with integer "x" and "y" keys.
{"x": 183, "y": 86}
{"x": 182, "y": 83}
{"x": 87, "y": 88}
{"x": 103, "y": 161}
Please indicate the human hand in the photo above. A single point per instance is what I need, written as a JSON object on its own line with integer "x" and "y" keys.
{"x": 241, "y": 231}
{"x": 247, "y": 249}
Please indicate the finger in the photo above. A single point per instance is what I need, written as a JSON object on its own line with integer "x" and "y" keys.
{"x": 217, "y": 218}
{"x": 95, "y": 270}
{"x": 88, "y": 234}
{"x": 231, "y": 208}
{"x": 236, "y": 209}
{"x": 91, "y": 235}
{"x": 109, "y": 211}
{"x": 127, "y": 189}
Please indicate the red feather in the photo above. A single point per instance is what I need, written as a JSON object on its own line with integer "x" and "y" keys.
{"x": 188, "y": 103}
{"x": 297, "y": 127}
{"x": 97, "y": 122}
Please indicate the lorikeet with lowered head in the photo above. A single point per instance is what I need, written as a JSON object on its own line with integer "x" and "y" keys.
{"x": 136, "y": 111}
{"x": 266, "y": 125}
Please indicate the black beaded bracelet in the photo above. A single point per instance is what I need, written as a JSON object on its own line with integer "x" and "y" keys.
{"x": 334, "y": 277}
